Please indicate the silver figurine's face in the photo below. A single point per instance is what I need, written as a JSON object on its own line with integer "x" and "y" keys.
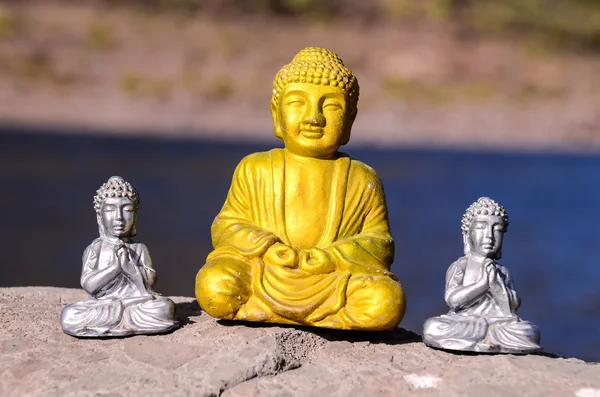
{"x": 118, "y": 216}
{"x": 486, "y": 234}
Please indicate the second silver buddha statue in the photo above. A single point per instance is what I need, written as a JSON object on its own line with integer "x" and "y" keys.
{"x": 117, "y": 273}
{"x": 481, "y": 293}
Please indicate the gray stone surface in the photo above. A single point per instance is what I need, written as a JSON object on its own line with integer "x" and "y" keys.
{"x": 210, "y": 358}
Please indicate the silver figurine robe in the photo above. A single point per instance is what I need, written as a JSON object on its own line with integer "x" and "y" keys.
{"x": 481, "y": 293}
{"x": 117, "y": 273}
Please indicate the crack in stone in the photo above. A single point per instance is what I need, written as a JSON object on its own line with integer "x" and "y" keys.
{"x": 293, "y": 349}
{"x": 257, "y": 375}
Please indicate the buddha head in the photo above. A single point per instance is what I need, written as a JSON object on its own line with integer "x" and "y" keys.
{"x": 483, "y": 227}
{"x": 116, "y": 204}
{"x": 314, "y": 103}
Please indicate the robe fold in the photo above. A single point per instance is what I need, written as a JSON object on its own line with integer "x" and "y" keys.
{"x": 356, "y": 238}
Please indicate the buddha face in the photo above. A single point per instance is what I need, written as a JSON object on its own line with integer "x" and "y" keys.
{"x": 313, "y": 120}
{"x": 485, "y": 235}
{"x": 118, "y": 216}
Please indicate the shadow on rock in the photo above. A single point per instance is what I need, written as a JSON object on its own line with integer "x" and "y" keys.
{"x": 185, "y": 310}
{"x": 471, "y": 353}
{"x": 397, "y": 336}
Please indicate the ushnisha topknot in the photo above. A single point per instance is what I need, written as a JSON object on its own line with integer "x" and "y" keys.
{"x": 318, "y": 66}
{"x": 483, "y": 206}
{"x": 115, "y": 187}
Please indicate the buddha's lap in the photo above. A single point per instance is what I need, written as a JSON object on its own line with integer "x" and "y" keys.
{"x": 113, "y": 309}
{"x": 380, "y": 290}
{"x": 225, "y": 274}
{"x": 146, "y": 300}
{"x": 223, "y": 285}
{"x": 373, "y": 302}
{"x": 475, "y": 327}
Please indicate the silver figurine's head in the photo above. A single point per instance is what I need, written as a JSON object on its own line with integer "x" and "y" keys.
{"x": 483, "y": 227}
{"x": 116, "y": 204}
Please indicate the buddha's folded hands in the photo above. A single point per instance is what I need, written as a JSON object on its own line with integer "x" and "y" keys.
{"x": 317, "y": 261}
{"x": 370, "y": 252}
{"x": 280, "y": 254}
{"x": 127, "y": 265}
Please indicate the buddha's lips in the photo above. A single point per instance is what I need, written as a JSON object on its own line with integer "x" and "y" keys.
{"x": 312, "y": 133}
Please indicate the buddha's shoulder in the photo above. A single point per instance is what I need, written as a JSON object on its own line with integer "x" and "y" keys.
{"x": 458, "y": 265}
{"x": 503, "y": 269}
{"x": 360, "y": 171}
{"x": 258, "y": 159}
{"x": 95, "y": 245}
{"x": 139, "y": 248}
{"x": 92, "y": 250}
{"x": 357, "y": 166}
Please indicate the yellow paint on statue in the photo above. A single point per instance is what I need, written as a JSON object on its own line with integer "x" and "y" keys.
{"x": 303, "y": 237}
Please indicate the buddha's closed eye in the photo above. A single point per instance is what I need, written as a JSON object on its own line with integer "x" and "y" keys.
{"x": 295, "y": 102}
{"x": 333, "y": 106}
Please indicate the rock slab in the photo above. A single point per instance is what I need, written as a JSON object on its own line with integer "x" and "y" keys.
{"x": 206, "y": 357}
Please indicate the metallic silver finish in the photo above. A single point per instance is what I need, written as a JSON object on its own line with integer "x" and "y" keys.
{"x": 117, "y": 273}
{"x": 481, "y": 293}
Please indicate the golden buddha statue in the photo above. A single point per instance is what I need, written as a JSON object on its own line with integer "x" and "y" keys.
{"x": 303, "y": 236}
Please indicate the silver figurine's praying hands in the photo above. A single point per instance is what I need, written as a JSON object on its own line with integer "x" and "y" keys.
{"x": 118, "y": 275}
{"x": 481, "y": 293}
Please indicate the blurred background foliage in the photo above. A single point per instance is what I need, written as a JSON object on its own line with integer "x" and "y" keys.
{"x": 442, "y": 70}
{"x": 567, "y": 23}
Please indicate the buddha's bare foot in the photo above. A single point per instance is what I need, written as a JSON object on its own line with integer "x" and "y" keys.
{"x": 252, "y": 311}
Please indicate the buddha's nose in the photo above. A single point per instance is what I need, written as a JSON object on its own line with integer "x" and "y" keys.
{"x": 317, "y": 120}
{"x": 488, "y": 233}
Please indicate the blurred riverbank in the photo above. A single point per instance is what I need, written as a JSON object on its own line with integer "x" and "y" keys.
{"x": 424, "y": 81}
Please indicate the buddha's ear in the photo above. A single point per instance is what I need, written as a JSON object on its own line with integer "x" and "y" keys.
{"x": 467, "y": 243}
{"x": 133, "y": 229}
{"x": 101, "y": 230}
{"x": 352, "y": 115}
{"x": 276, "y": 123}
{"x": 498, "y": 254}
{"x": 350, "y": 121}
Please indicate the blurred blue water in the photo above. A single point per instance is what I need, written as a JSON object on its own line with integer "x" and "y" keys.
{"x": 47, "y": 218}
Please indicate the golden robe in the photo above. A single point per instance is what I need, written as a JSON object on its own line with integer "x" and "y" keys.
{"x": 358, "y": 292}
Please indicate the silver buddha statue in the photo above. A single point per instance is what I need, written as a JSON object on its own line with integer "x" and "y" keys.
{"x": 117, "y": 273}
{"x": 481, "y": 293}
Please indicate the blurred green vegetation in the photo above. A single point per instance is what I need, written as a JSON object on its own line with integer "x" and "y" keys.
{"x": 437, "y": 93}
{"x": 100, "y": 35}
{"x": 564, "y": 23}
{"x": 148, "y": 86}
{"x": 571, "y": 23}
{"x": 10, "y": 23}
